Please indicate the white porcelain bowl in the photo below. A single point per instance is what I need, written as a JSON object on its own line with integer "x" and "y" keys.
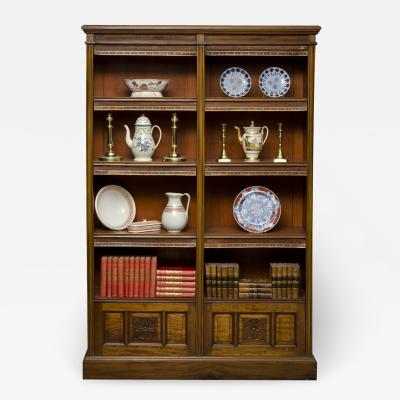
{"x": 146, "y": 87}
{"x": 115, "y": 207}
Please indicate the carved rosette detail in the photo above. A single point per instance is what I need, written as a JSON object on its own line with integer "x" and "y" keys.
{"x": 145, "y": 329}
{"x": 253, "y": 329}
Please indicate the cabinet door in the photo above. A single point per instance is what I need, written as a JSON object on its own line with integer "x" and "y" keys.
{"x": 144, "y": 329}
{"x": 254, "y": 329}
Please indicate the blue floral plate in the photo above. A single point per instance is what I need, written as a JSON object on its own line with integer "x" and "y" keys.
{"x": 235, "y": 82}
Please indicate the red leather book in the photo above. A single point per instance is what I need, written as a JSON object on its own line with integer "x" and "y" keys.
{"x": 103, "y": 276}
{"x": 153, "y": 276}
{"x": 131, "y": 276}
{"x": 184, "y": 269}
{"x": 175, "y": 273}
{"x": 175, "y": 294}
{"x": 120, "y": 276}
{"x": 176, "y": 284}
{"x": 176, "y": 278}
{"x": 114, "y": 277}
{"x": 147, "y": 266}
{"x": 126, "y": 276}
{"x": 141, "y": 276}
{"x": 109, "y": 275}
{"x": 175, "y": 289}
{"x": 136, "y": 277}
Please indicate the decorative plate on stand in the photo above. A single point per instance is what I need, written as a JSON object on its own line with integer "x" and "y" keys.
{"x": 257, "y": 209}
{"x": 115, "y": 207}
{"x": 274, "y": 82}
{"x": 235, "y": 82}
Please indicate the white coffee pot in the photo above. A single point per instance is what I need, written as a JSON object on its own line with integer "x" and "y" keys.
{"x": 142, "y": 144}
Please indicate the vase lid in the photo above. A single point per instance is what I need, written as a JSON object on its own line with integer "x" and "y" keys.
{"x": 142, "y": 120}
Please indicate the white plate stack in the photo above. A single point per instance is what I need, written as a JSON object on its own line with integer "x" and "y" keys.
{"x": 144, "y": 226}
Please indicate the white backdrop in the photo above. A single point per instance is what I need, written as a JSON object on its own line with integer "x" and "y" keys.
{"x": 42, "y": 201}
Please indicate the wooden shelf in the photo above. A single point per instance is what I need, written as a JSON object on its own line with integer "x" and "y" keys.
{"x": 145, "y": 300}
{"x": 255, "y": 104}
{"x": 231, "y": 237}
{"x": 262, "y": 168}
{"x": 144, "y": 104}
{"x": 108, "y": 238}
{"x": 156, "y": 167}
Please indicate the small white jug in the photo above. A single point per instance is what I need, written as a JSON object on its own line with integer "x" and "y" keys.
{"x": 174, "y": 217}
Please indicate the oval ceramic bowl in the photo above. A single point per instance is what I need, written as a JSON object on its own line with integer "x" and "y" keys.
{"x": 115, "y": 207}
{"x": 257, "y": 209}
{"x": 146, "y": 87}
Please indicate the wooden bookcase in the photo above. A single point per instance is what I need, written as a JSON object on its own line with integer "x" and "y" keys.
{"x": 202, "y": 338}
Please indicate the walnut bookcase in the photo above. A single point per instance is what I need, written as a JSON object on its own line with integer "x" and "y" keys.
{"x": 202, "y": 338}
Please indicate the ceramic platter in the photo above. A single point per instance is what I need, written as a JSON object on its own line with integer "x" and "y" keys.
{"x": 274, "y": 82}
{"x": 235, "y": 82}
{"x": 257, "y": 209}
{"x": 115, "y": 207}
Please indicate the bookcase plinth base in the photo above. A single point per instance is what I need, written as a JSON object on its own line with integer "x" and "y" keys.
{"x": 101, "y": 367}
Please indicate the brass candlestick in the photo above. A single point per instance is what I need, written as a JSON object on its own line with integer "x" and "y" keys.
{"x": 110, "y": 155}
{"x": 173, "y": 156}
{"x": 224, "y": 157}
{"x": 280, "y": 158}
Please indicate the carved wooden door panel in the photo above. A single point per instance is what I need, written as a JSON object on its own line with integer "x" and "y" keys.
{"x": 144, "y": 329}
{"x": 254, "y": 329}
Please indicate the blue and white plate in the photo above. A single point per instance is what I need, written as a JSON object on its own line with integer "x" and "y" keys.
{"x": 235, "y": 82}
{"x": 257, "y": 209}
{"x": 274, "y": 82}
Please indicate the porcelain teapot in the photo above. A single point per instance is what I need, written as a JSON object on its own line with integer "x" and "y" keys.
{"x": 252, "y": 140}
{"x": 174, "y": 217}
{"x": 142, "y": 144}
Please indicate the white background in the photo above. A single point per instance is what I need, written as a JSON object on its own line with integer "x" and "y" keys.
{"x": 356, "y": 217}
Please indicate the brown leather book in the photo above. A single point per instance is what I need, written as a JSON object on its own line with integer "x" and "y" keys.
{"x": 236, "y": 281}
{"x": 208, "y": 279}
{"x": 103, "y": 276}
{"x": 296, "y": 281}
{"x": 255, "y": 290}
{"x": 255, "y": 295}
{"x": 284, "y": 280}
{"x": 219, "y": 280}
{"x": 224, "y": 280}
{"x": 213, "y": 280}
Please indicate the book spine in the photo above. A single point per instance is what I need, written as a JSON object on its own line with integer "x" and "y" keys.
{"x": 176, "y": 284}
{"x": 230, "y": 281}
{"x": 289, "y": 289}
{"x": 153, "y": 276}
{"x": 142, "y": 261}
{"x": 213, "y": 280}
{"x": 109, "y": 276}
{"x": 180, "y": 269}
{"x": 136, "y": 277}
{"x": 208, "y": 279}
{"x": 103, "y": 276}
{"x": 273, "y": 280}
{"x": 254, "y": 290}
{"x": 279, "y": 280}
{"x": 175, "y": 294}
{"x": 131, "y": 276}
{"x": 175, "y": 289}
{"x": 296, "y": 281}
{"x": 126, "y": 276}
{"x": 219, "y": 280}
{"x": 120, "y": 276}
{"x": 147, "y": 273}
{"x": 236, "y": 281}
{"x": 284, "y": 281}
{"x": 175, "y": 273}
{"x": 255, "y": 296}
{"x": 114, "y": 278}
{"x": 175, "y": 278}
{"x": 225, "y": 280}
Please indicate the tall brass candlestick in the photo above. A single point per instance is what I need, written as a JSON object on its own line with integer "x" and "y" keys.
{"x": 224, "y": 157}
{"x": 173, "y": 156}
{"x": 280, "y": 158}
{"x": 110, "y": 155}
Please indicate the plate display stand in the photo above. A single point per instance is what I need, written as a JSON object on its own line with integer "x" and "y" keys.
{"x": 201, "y": 337}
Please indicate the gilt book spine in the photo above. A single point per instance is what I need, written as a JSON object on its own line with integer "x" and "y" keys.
{"x": 142, "y": 261}
{"x": 109, "y": 275}
{"x": 147, "y": 274}
{"x": 136, "y": 277}
{"x": 103, "y": 276}
{"x": 153, "y": 276}
{"x": 120, "y": 276}
{"x": 114, "y": 277}
{"x": 176, "y": 278}
{"x": 131, "y": 276}
{"x": 213, "y": 280}
{"x": 236, "y": 281}
{"x": 126, "y": 276}
{"x": 208, "y": 279}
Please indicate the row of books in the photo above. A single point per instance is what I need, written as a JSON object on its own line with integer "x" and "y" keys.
{"x": 222, "y": 280}
{"x": 285, "y": 279}
{"x": 255, "y": 289}
{"x": 176, "y": 282}
{"x": 139, "y": 277}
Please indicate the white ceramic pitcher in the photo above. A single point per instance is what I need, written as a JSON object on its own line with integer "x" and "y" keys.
{"x": 142, "y": 144}
{"x": 174, "y": 217}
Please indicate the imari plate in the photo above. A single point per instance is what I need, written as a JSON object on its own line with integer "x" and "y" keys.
{"x": 257, "y": 209}
{"x": 274, "y": 82}
{"x": 235, "y": 82}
